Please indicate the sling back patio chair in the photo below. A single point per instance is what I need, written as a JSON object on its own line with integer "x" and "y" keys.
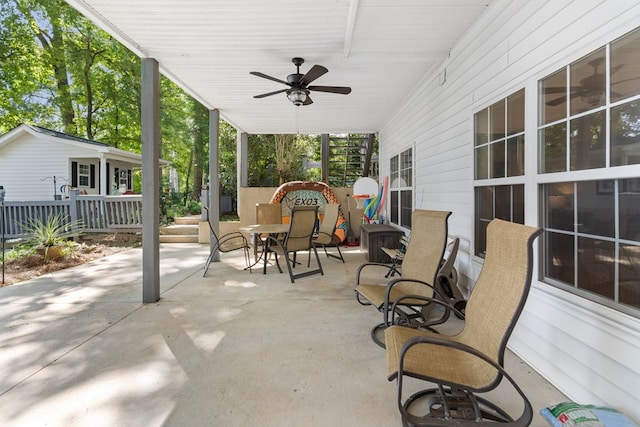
{"x": 420, "y": 267}
{"x": 226, "y": 243}
{"x": 298, "y": 238}
{"x": 396, "y": 255}
{"x": 266, "y": 213}
{"x": 327, "y": 229}
{"x": 473, "y": 360}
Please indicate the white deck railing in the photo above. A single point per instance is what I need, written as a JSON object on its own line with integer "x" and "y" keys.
{"x": 98, "y": 214}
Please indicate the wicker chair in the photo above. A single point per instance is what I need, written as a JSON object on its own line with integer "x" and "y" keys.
{"x": 298, "y": 238}
{"x": 327, "y": 229}
{"x": 227, "y": 243}
{"x": 473, "y": 360}
{"x": 420, "y": 267}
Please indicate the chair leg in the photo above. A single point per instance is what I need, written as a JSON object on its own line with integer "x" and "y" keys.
{"x": 317, "y": 259}
{"x": 247, "y": 258}
{"x": 286, "y": 257}
{"x": 212, "y": 253}
{"x": 278, "y": 262}
{"x": 330, "y": 255}
{"x": 206, "y": 265}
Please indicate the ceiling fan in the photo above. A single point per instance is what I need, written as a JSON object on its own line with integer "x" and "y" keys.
{"x": 590, "y": 89}
{"x": 298, "y": 91}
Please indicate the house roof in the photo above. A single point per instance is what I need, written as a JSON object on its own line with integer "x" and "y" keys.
{"x": 380, "y": 48}
{"x": 101, "y": 148}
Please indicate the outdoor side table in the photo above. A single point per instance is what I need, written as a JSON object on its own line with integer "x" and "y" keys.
{"x": 375, "y": 236}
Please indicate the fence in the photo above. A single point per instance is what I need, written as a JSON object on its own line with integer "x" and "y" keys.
{"x": 98, "y": 214}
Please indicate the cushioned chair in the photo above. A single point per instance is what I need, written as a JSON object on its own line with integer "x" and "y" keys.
{"x": 227, "y": 243}
{"x": 420, "y": 266}
{"x": 327, "y": 229}
{"x": 298, "y": 238}
{"x": 472, "y": 361}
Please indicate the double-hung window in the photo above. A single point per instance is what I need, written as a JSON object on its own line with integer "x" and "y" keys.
{"x": 84, "y": 173}
{"x": 401, "y": 191}
{"x": 499, "y": 165}
{"x": 589, "y": 170}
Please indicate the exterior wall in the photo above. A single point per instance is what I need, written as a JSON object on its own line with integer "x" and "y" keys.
{"x": 28, "y": 160}
{"x": 587, "y": 351}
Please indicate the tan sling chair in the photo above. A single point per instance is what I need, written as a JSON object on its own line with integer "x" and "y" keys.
{"x": 472, "y": 361}
{"x": 420, "y": 266}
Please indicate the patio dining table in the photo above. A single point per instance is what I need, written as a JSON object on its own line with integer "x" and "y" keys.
{"x": 259, "y": 229}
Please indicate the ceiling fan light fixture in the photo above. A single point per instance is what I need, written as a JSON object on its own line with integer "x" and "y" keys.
{"x": 297, "y": 96}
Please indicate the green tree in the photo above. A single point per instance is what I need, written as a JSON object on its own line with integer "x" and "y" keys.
{"x": 60, "y": 71}
{"x": 23, "y": 74}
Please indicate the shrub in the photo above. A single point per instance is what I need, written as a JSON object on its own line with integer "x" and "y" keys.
{"x": 54, "y": 231}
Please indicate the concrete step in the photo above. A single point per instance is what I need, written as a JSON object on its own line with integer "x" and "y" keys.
{"x": 184, "y": 230}
{"x": 177, "y": 229}
{"x": 188, "y": 220}
{"x": 178, "y": 238}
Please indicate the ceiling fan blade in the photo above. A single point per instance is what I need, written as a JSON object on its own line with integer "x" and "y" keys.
{"x": 616, "y": 68}
{"x": 624, "y": 80}
{"x": 270, "y": 93}
{"x": 561, "y": 89}
{"x": 315, "y": 72}
{"x": 344, "y": 90}
{"x": 264, "y": 76}
{"x": 307, "y": 101}
{"x": 557, "y": 101}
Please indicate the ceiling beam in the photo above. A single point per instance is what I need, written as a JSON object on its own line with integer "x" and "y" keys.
{"x": 351, "y": 25}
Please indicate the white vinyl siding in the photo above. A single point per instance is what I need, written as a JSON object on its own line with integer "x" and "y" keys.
{"x": 29, "y": 165}
{"x": 587, "y": 350}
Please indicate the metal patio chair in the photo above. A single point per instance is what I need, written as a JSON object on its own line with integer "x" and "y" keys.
{"x": 226, "y": 243}
{"x": 327, "y": 229}
{"x": 420, "y": 266}
{"x": 298, "y": 238}
{"x": 471, "y": 362}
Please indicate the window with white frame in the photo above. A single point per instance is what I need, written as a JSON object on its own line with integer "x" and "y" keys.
{"x": 84, "y": 174}
{"x": 401, "y": 191}
{"x": 589, "y": 122}
{"x": 498, "y": 157}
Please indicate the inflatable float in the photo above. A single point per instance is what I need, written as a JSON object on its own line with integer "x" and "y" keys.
{"x": 309, "y": 193}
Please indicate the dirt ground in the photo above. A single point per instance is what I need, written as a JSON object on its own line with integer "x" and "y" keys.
{"x": 89, "y": 247}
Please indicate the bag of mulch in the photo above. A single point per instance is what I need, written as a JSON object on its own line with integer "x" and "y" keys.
{"x": 570, "y": 414}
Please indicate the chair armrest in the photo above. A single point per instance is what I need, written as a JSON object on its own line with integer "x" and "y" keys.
{"x": 369, "y": 264}
{"x": 321, "y": 235}
{"x": 233, "y": 236}
{"x": 437, "y": 301}
{"x": 276, "y": 241}
{"x": 396, "y": 302}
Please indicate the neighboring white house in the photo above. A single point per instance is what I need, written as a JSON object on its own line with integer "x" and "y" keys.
{"x": 40, "y": 164}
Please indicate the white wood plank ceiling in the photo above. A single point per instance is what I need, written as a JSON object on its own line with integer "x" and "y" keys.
{"x": 380, "y": 48}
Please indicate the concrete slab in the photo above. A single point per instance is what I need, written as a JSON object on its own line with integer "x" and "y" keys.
{"x": 233, "y": 348}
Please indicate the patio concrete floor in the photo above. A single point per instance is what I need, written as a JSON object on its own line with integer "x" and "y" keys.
{"x": 231, "y": 349}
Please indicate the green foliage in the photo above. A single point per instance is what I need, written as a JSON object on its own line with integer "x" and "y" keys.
{"x": 62, "y": 72}
{"x": 20, "y": 251}
{"x": 53, "y": 231}
{"x": 270, "y": 165}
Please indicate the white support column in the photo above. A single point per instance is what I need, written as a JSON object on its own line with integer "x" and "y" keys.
{"x": 104, "y": 176}
{"x": 214, "y": 175}
{"x": 242, "y": 156}
{"x": 150, "y": 180}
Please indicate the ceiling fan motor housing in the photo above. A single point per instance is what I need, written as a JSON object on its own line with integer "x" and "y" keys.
{"x": 294, "y": 78}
